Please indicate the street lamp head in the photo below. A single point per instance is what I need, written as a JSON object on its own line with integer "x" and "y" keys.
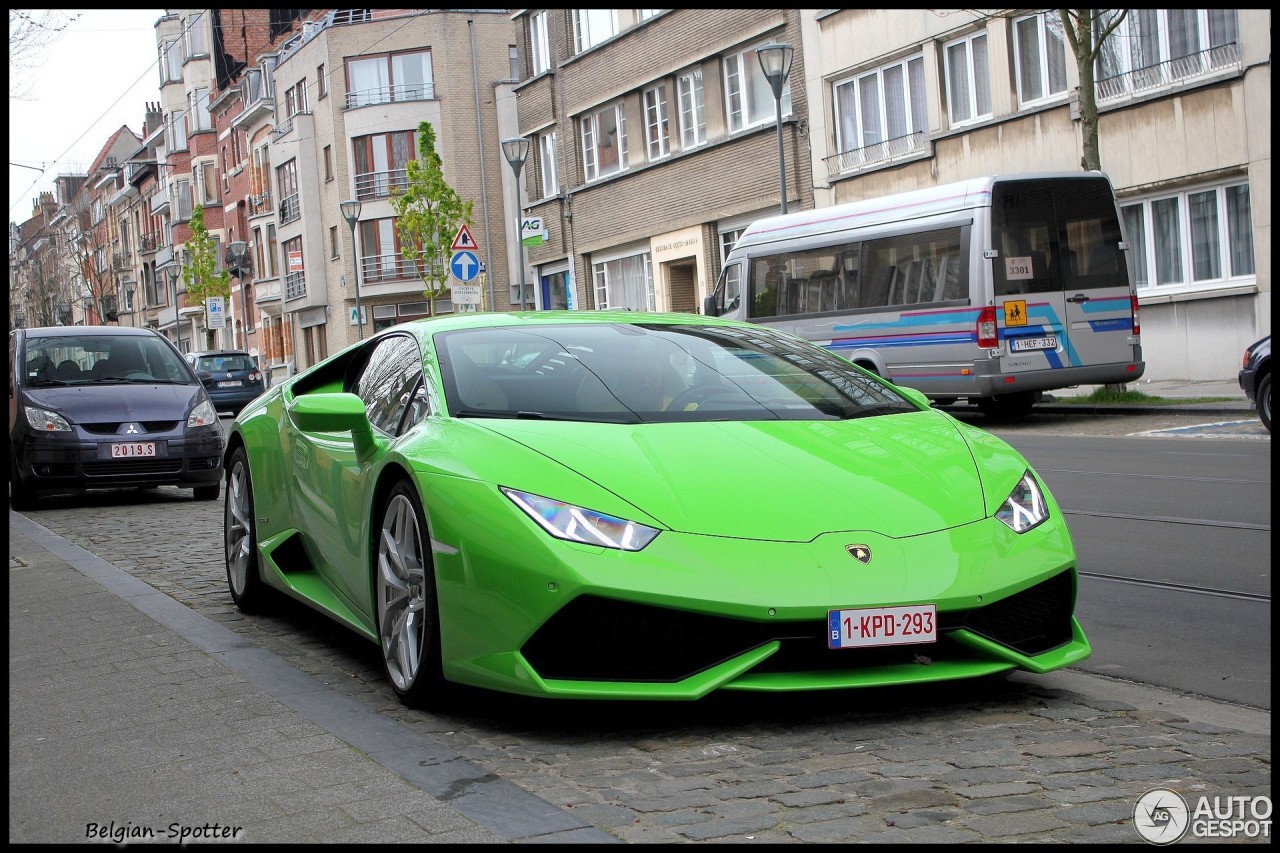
{"x": 775, "y": 62}
{"x": 351, "y": 210}
{"x": 516, "y": 150}
{"x": 236, "y": 251}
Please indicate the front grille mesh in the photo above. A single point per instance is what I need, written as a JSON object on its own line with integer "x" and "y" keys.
{"x": 112, "y": 428}
{"x": 118, "y": 467}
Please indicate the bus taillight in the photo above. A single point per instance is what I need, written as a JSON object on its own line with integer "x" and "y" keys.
{"x": 987, "y": 338}
{"x": 1133, "y": 302}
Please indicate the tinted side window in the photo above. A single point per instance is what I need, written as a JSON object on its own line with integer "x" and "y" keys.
{"x": 387, "y": 383}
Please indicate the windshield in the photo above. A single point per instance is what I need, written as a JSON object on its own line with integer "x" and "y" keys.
{"x": 100, "y": 359}
{"x": 225, "y": 361}
{"x": 638, "y": 373}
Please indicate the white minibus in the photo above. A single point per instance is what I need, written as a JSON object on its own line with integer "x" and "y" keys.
{"x": 993, "y": 289}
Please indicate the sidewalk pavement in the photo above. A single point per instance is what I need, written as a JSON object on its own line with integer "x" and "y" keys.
{"x": 133, "y": 718}
{"x": 1233, "y": 402}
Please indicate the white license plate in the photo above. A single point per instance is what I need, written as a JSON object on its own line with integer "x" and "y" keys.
{"x": 235, "y": 384}
{"x": 133, "y": 449}
{"x": 1027, "y": 344}
{"x": 882, "y": 626}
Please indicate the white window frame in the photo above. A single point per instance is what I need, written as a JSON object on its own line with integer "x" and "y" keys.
{"x": 1140, "y": 217}
{"x": 205, "y": 175}
{"x": 201, "y": 120}
{"x": 601, "y": 272}
{"x": 593, "y": 26}
{"x": 1049, "y": 39}
{"x": 968, "y": 79}
{"x": 178, "y": 131}
{"x": 693, "y": 109}
{"x": 539, "y": 47}
{"x": 197, "y": 35}
{"x": 909, "y": 69}
{"x": 590, "y": 127}
{"x": 547, "y": 164}
{"x": 1133, "y": 47}
{"x": 657, "y": 122}
{"x": 748, "y": 98}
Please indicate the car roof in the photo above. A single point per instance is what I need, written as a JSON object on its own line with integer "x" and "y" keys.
{"x": 80, "y": 331}
{"x": 202, "y": 353}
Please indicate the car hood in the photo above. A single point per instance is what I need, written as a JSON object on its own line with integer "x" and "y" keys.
{"x": 121, "y": 402}
{"x": 900, "y": 475}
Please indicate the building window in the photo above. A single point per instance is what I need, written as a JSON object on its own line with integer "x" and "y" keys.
{"x": 295, "y": 99}
{"x": 380, "y": 163}
{"x": 322, "y": 83}
{"x": 539, "y": 49}
{"x": 334, "y": 253}
{"x": 178, "y": 131}
{"x": 171, "y": 61}
{"x": 547, "y": 163}
{"x": 693, "y": 111}
{"x": 266, "y": 250}
{"x": 625, "y": 282}
{"x": 328, "y": 163}
{"x": 295, "y": 275}
{"x": 199, "y": 110}
{"x": 380, "y": 258}
{"x": 748, "y": 96}
{"x": 390, "y": 78}
{"x": 880, "y": 105}
{"x": 206, "y": 179}
{"x": 287, "y": 182}
{"x": 198, "y": 36}
{"x": 592, "y": 26}
{"x": 656, "y": 124}
{"x": 513, "y": 62}
{"x": 1040, "y": 55}
{"x": 968, "y": 80}
{"x": 604, "y": 143}
{"x": 181, "y": 200}
{"x": 1195, "y": 239}
{"x": 1153, "y": 48}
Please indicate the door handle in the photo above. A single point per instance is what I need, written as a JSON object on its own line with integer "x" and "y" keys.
{"x": 1079, "y": 297}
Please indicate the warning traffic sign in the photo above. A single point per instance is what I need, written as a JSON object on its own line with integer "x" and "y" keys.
{"x": 464, "y": 240}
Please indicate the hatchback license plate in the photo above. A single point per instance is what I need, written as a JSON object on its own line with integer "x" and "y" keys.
{"x": 1027, "y": 344}
{"x": 882, "y": 626}
{"x": 236, "y": 384}
{"x": 133, "y": 450}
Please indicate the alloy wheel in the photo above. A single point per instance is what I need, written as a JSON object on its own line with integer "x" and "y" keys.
{"x": 402, "y": 582}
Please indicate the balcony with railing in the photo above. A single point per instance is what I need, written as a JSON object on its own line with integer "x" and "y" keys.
{"x": 148, "y": 243}
{"x": 380, "y": 269}
{"x": 1171, "y": 73}
{"x": 160, "y": 203}
{"x": 282, "y": 129}
{"x": 290, "y": 209}
{"x": 295, "y": 285}
{"x": 889, "y": 151}
{"x": 261, "y": 204}
{"x": 259, "y": 99}
{"x": 381, "y": 184}
{"x": 391, "y": 94}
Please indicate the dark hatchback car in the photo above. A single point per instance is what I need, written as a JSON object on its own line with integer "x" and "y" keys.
{"x": 94, "y": 407}
{"x": 231, "y": 377}
{"x": 1255, "y": 378}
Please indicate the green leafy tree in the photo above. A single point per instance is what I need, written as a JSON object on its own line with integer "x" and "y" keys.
{"x": 429, "y": 213}
{"x": 200, "y": 272}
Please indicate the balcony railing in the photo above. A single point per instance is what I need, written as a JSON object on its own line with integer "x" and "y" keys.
{"x": 260, "y": 204}
{"x": 282, "y": 128}
{"x": 377, "y": 269}
{"x": 381, "y": 184}
{"x": 295, "y": 285}
{"x": 160, "y": 203}
{"x": 290, "y": 209}
{"x": 875, "y": 155}
{"x": 391, "y": 94}
{"x": 1170, "y": 73}
{"x": 148, "y": 243}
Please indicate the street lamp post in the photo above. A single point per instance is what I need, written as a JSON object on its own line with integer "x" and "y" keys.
{"x": 775, "y": 61}
{"x": 173, "y": 290}
{"x": 130, "y": 286}
{"x": 516, "y": 150}
{"x": 351, "y": 213}
{"x": 235, "y": 252}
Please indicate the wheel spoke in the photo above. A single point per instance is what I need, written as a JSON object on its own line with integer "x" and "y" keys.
{"x": 401, "y": 596}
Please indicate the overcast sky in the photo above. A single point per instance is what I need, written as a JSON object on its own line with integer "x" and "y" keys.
{"x": 95, "y": 76}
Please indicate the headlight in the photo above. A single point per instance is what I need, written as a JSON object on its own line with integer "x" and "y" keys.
{"x": 44, "y": 420}
{"x": 575, "y": 524}
{"x": 1025, "y": 506}
{"x": 202, "y": 415}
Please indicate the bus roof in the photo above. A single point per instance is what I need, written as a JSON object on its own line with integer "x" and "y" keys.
{"x": 930, "y": 201}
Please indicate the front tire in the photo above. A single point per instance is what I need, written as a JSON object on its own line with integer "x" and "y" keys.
{"x": 205, "y": 493}
{"x": 240, "y": 536}
{"x": 21, "y": 496}
{"x": 408, "y": 616}
{"x": 1264, "y": 401}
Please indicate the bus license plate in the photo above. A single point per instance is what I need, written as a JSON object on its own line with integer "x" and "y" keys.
{"x": 1027, "y": 344}
{"x": 882, "y": 626}
{"x": 133, "y": 450}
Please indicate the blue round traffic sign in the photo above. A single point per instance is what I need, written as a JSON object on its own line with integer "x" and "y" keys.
{"x": 464, "y": 265}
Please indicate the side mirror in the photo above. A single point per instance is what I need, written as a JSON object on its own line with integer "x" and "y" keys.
{"x": 335, "y": 412}
{"x": 709, "y": 306}
{"x": 206, "y": 378}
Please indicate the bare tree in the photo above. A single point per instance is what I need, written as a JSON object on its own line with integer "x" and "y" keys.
{"x": 1086, "y": 30}
{"x": 30, "y": 32}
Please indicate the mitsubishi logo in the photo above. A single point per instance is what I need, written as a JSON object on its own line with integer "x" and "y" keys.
{"x": 132, "y": 429}
{"x": 861, "y": 553}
